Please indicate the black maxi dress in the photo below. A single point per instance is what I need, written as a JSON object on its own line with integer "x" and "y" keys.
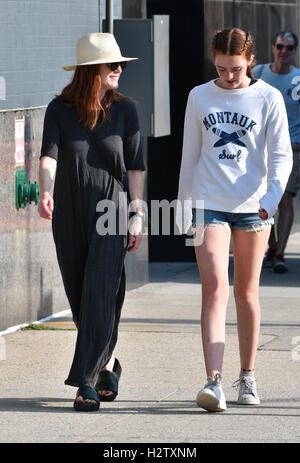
{"x": 91, "y": 167}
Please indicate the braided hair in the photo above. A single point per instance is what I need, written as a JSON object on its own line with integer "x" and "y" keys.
{"x": 234, "y": 41}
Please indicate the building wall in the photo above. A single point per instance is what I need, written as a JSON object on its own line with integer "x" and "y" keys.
{"x": 37, "y": 37}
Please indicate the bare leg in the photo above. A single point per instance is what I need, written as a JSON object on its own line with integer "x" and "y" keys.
{"x": 249, "y": 248}
{"x": 212, "y": 258}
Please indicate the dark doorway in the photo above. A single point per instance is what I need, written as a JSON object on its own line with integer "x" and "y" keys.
{"x": 164, "y": 153}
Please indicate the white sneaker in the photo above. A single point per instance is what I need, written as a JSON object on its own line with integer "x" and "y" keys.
{"x": 246, "y": 386}
{"x": 212, "y": 397}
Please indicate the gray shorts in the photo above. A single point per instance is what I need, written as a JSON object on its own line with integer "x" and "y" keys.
{"x": 294, "y": 178}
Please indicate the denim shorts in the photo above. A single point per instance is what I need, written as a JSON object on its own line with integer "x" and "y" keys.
{"x": 230, "y": 220}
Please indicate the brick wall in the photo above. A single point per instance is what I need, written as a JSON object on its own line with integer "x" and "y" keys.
{"x": 38, "y": 37}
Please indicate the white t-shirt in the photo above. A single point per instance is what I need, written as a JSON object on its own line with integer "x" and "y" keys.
{"x": 237, "y": 154}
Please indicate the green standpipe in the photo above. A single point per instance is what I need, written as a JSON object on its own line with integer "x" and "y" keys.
{"x": 26, "y": 192}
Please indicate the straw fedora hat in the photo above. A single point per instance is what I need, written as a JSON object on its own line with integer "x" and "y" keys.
{"x": 98, "y": 47}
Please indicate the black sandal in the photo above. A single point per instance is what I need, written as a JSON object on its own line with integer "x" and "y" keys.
{"x": 87, "y": 392}
{"x": 108, "y": 381}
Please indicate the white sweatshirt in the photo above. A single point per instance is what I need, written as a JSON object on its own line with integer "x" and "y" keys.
{"x": 237, "y": 153}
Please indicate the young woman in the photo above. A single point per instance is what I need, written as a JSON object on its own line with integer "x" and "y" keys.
{"x": 91, "y": 141}
{"x": 236, "y": 162}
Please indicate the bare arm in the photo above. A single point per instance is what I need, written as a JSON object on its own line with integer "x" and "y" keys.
{"x": 47, "y": 172}
{"x": 135, "y": 185}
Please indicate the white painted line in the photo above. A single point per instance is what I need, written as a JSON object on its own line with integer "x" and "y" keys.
{"x": 12, "y": 329}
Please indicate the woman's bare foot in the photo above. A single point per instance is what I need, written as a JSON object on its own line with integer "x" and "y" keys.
{"x": 86, "y": 399}
{"x": 80, "y": 399}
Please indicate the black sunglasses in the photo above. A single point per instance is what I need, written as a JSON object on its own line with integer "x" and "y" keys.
{"x": 114, "y": 66}
{"x": 280, "y": 46}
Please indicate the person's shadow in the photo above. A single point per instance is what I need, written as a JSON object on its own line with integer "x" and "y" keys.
{"x": 35, "y": 404}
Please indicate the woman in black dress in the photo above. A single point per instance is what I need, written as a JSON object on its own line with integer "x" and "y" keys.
{"x": 91, "y": 144}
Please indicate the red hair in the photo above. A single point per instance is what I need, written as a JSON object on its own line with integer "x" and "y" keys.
{"x": 234, "y": 42}
{"x": 83, "y": 93}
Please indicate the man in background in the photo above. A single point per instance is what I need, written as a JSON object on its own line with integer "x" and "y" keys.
{"x": 285, "y": 77}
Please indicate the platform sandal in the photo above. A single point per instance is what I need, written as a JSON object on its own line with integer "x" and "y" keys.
{"x": 87, "y": 392}
{"x": 109, "y": 381}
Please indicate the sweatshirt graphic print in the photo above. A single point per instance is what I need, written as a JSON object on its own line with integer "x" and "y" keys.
{"x": 237, "y": 154}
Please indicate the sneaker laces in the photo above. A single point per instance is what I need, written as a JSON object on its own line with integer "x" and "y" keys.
{"x": 247, "y": 383}
{"x": 214, "y": 381}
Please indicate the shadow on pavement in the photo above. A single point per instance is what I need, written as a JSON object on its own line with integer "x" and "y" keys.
{"x": 167, "y": 407}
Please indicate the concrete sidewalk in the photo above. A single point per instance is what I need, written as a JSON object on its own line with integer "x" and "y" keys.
{"x": 160, "y": 351}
